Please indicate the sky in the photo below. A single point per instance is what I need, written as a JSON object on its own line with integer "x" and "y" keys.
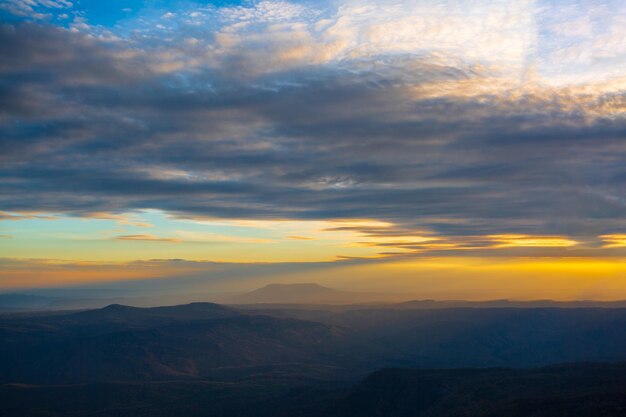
{"x": 443, "y": 149}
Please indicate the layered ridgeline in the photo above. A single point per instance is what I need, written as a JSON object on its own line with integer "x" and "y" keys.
{"x": 315, "y": 294}
{"x": 255, "y": 361}
{"x": 271, "y": 295}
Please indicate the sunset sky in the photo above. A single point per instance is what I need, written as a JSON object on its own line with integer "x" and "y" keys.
{"x": 438, "y": 148}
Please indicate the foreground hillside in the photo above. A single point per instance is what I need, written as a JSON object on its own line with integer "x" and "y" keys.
{"x": 205, "y": 359}
{"x": 568, "y": 390}
{"x": 583, "y": 390}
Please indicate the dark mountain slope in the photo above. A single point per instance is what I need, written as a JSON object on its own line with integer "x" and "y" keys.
{"x": 124, "y": 343}
{"x": 490, "y": 337}
{"x": 583, "y": 390}
{"x": 167, "y": 399}
{"x": 580, "y": 390}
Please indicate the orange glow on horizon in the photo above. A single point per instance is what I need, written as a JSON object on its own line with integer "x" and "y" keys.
{"x": 410, "y": 278}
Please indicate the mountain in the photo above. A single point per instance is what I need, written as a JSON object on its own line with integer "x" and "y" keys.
{"x": 474, "y": 336}
{"x": 200, "y": 340}
{"x": 152, "y": 316}
{"x": 489, "y": 336}
{"x": 209, "y": 359}
{"x": 204, "y": 340}
{"x": 17, "y": 302}
{"x": 301, "y": 294}
{"x": 168, "y": 399}
{"x": 574, "y": 390}
{"x": 580, "y": 390}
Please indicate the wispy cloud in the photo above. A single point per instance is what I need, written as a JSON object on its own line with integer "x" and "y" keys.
{"x": 300, "y": 238}
{"x": 121, "y": 219}
{"x": 148, "y": 238}
{"x": 35, "y": 9}
{"x": 614, "y": 240}
{"x": 24, "y": 215}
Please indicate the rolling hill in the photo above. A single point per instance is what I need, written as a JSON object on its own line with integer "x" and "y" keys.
{"x": 582, "y": 390}
{"x": 182, "y": 342}
{"x": 227, "y": 361}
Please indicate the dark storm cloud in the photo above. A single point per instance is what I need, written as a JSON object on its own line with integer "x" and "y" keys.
{"x": 93, "y": 125}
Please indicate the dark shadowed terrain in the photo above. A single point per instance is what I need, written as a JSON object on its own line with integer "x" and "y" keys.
{"x": 567, "y": 390}
{"x": 205, "y": 359}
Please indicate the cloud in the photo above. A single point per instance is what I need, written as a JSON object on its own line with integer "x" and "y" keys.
{"x": 581, "y": 41}
{"x": 207, "y": 237}
{"x": 614, "y": 240}
{"x": 513, "y": 240}
{"x": 300, "y": 238}
{"x": 24, "y": 215}
{"x": 147, "y": 238}
{"x": 36, "y": 9}
{"x": 423, "y": 116}
{"x": 121, "y": 219}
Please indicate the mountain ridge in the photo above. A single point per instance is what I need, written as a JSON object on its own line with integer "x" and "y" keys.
{"x": 304, "y": 293}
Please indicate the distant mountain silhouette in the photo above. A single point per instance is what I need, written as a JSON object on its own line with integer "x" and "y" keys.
{"x": 308, "y": 293}
{"x": 16, "y": 302}
{"x": 21, "y": 302}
